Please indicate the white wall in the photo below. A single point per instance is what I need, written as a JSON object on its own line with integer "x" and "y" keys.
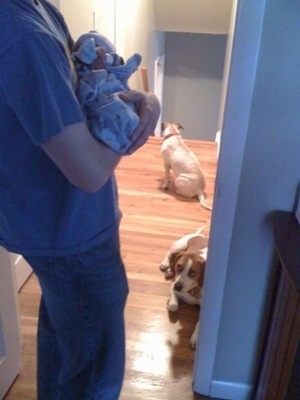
{"x": 85, "y": 15}
{"x": 79, "y": 16}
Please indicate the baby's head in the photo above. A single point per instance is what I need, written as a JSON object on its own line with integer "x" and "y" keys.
{"x": 100, "y": 41}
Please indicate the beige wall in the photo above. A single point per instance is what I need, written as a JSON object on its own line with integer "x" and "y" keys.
{"x": 136, "y": 33}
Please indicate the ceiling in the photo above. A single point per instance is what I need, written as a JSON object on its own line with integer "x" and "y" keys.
{"x": 194, "y": 16}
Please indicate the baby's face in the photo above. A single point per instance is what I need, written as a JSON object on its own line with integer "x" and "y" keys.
{"x": 100, "y": 62}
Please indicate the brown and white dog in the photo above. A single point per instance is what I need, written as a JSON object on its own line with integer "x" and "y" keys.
{"x": 189, "y": 177}
{"x": 185, "y": 261}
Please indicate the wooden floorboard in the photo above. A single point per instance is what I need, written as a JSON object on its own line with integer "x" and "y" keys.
{"x": 159, "y": 361}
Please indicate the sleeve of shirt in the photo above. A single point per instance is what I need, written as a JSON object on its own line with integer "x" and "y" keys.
{"x": 37, "y": 79}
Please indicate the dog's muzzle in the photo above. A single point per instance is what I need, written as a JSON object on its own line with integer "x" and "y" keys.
{"x": 178, "y": 286}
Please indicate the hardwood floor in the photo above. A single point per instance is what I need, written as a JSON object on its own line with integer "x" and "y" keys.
{"x": 159, "y": 360}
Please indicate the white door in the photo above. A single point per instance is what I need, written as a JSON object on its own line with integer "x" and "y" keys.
{"x": 80, "y": 16}
{"x": 158, "y": 87}
{"x": 10, "y": 334}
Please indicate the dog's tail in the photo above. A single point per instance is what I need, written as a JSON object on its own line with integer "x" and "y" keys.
{"x": 202, "y": 199}
{"x": 199, "y": 231}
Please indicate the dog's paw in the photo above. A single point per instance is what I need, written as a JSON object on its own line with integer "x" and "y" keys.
{"x": 172, "y": 306}
{"x": 193, "y": 341}
{"x": 169, "y": 274}
{"x": 194, "y": 337}
{"x": 163, "y": 267}
{"x": 165, "y": 185}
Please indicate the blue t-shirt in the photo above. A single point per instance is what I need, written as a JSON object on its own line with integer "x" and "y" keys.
{"x": 41, "y": 213}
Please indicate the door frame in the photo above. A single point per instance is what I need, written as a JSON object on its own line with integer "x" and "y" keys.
{"x": 240, "y": 72}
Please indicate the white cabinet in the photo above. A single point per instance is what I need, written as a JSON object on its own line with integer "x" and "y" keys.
{"x": 10, "y": 342}
{"x": 22, "y": 269}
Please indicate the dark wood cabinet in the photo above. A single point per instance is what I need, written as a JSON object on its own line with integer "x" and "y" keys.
{"x": 279, "y": 376}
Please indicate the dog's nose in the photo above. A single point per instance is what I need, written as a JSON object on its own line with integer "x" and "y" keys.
{"x": 178, "y": 286}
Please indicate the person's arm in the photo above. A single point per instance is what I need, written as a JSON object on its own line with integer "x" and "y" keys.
{"x": 86, "y": 162}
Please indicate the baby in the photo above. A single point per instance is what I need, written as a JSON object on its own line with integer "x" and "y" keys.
{"x": 102, "y": 74}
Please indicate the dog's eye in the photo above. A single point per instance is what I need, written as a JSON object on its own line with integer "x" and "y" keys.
{"x": 192, "y": 274}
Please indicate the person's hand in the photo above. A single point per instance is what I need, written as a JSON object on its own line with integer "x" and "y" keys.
{"x": 148, "y": 109}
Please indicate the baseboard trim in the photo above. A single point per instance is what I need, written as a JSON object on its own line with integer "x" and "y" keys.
{"x": 231, "y": 390}
{"x": 218, "y": 141}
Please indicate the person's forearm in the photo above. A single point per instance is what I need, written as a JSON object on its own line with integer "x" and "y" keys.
{"x": 85, "y": 162}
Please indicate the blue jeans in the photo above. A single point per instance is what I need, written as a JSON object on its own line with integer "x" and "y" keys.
{"x": 81, "y": 339}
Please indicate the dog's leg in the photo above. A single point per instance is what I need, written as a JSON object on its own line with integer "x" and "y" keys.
{"x": 188, "y": 299}
{"x": 194, "y": 337}
{"x": 181, "y": 244}
{"x": 172, "y": 304}
{"x": 167, "y": 176}
{"x": 165, "y": 264}
{"x": 177, "y": 245}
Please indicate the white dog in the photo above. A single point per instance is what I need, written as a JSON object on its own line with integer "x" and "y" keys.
{"x": 186, "y": 261}
{"x": 189, "y": 177}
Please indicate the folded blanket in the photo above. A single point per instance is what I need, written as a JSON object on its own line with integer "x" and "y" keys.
{"x": 109, "y": 118}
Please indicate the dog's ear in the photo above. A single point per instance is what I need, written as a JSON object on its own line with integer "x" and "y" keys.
{"x": 179, "y": 126}
{"x": 201, "y": 264}
{"x": 171, "y": 270}
{"x": 172, "y": 261}
{"x": 163, "y": 126}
